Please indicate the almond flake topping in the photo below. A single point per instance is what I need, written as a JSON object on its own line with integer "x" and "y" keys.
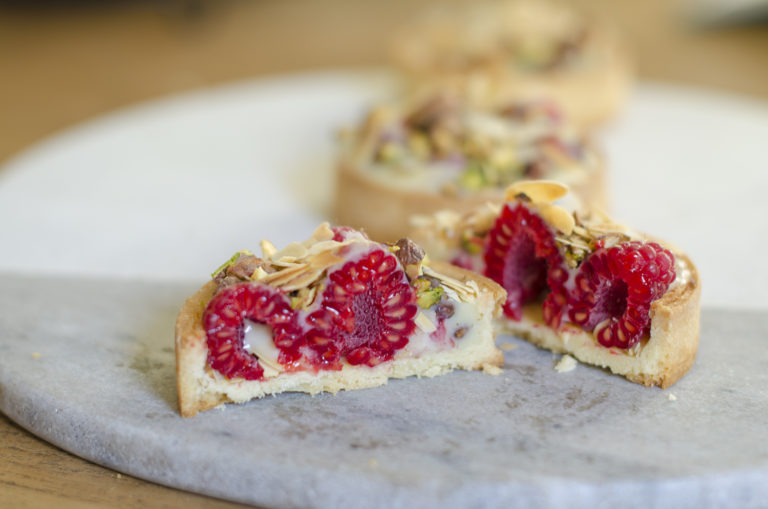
{"x": 467, "y": 292}
{"x": 539, "y": 191}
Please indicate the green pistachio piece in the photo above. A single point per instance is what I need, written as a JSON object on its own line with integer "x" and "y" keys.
{"x": 474, "y": 177}
{"x": 428, "y": 298}
{"x": 421, "y": 284}
{"x": 471, "y": 243}
{"x": 390, "y": 152}
{"x": 229, "y": 262}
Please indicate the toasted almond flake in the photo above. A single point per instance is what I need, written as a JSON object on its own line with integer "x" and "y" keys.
{"x": 258, "y": 274}
{"x": 267, "y": 249}
{"x": 565, "y": 364}
{"x": 294, "y": 251}
{"x": 447, "y": 219}
{"x": 490, "y": 369}
{"x": 424, "y": 323}
{"x": 322, "y": 233}
{"x": 539, "y": 191}
{"x": 557, "y": 217}
{"x": 285, "y": 275}
{"x": 572, "y": 242}
{"x": 466, "y": 293}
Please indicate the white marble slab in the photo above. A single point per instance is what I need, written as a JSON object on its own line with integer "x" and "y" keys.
{"x": 88, "y": 365}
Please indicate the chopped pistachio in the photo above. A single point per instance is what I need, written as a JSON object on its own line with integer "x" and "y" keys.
{"x": 390, "y": 152}
{"x": 419, "y": 145}
{"x": 421, "y": 284}
{"x": 471, "y": 243}
{"x": 429, "y": 297}
{"x": 230, "y": 262}
{"x": 474, "y": 177}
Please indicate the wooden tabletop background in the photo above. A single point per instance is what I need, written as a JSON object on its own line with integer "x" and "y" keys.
{"x": 62, "y": 65}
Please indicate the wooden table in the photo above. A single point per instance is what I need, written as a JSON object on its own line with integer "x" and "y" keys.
{"x": 61, "y": 66}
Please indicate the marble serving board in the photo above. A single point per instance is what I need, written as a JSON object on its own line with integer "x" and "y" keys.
{"x": 88, "y": 365}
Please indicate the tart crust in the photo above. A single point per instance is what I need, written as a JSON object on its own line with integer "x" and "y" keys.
{"x": 385, "y": 212}
{"x": 201, "y": 388}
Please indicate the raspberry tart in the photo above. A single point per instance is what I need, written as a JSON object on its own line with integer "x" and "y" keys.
{"x": 337, "y": 311}
{"x": 494, "y": 52}
{"x": 440, "y": 153}
{"x": 579, "y": 283}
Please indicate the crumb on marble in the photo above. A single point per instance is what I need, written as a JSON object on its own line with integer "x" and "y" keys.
{"x": 489, "y": 369}
{"x": 508, "y": 346}
{"x": 35, "y": 355}
{"x": 373, "y": 463}
{"x": 672, "y": 397}
{"x": 565, "y": 364}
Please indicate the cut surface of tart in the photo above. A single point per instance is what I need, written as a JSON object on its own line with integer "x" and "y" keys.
{"x": 335, "y": 312}
{"x": 492, "y": 52}
{"x": 439, "y": 153}
{"x": 579, "y": 283}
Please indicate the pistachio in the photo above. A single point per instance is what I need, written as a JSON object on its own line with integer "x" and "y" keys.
{"x": 233, "y": 259}
{"x": 473, "y": 178}
{"x": 410, "y": 256}
{"x": 429, "y": 297}
{"x": 471, "y": 243}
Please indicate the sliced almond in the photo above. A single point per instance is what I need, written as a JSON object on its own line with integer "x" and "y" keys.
{"x": 281, "y": 277}
{"x": 291, "y": 252}
{"x": 465, "y": 292}
{"x": 539, "y": 191}
{"x": 322, "y": 233}
{"x": 557, "y": 217}
{"x": 267, "y": 249}
{"x": 424, "y": 323}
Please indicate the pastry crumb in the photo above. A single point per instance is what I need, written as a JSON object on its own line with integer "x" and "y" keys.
{"x": 119, "y": 476}
{"x": 489, "y": 369}
{"x": 672, "y": 397}
{"x": 35, "y": 355}
{"x": 508, "y": 346}
{"x": 373, "y": 463}
{"x": 565, "y": 364}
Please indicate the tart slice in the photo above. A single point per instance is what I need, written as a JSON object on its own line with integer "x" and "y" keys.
{"x": 579, "y": 283}
{"x": 440, "y": 153}
{"x": 337, "y": 311}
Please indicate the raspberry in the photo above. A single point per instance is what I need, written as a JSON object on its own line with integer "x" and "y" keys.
{"x": 342, "y": 233}
{"x": 614, "y": 288}
{"x": 223, "y": 324}
{"x": 521, "y": 255}
{"x": 366, "y": 313}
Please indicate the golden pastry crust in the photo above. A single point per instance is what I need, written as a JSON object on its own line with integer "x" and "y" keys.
{"x": 385, "y": 212}
{"x": 200, "y": 388}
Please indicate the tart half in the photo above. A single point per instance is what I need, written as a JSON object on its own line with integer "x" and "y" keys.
{"x": 579, "y": 283}
{"x": 337, "y": 311}
{"x": 439, "y": 153}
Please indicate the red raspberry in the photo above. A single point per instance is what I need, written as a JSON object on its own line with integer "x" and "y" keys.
{"x": 614, "y": 289}
{"x": 366, "y": 313}
{"x": 223, "y": 324}
{"x": 521, "y": 256}
{"x": 342, "y": 233}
